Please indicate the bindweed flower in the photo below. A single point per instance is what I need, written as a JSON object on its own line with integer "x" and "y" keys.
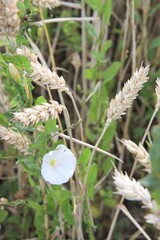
{"x": 58, "y": 166}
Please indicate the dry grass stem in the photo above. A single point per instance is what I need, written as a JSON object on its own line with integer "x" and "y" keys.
{"x": 9, "y": 21}
{"x": 42, "y": 74}
{"x": 46, "y": 3}
{"x": 21, "y": 142}
{"x": 141, "y": 155}
{"x": 38, "y": 113}
{"x": 124, "y": 98}
{"x": 158, "y": 94}
{"x": 4, "y": 102}
{"x": 130, "y": 189}
{"x": 127, "y": 213}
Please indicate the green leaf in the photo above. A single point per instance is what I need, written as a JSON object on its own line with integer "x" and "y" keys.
{"x": 50, "y": 126}
{"x": 150, "y": 181}
{"x": 108, "y": 11}
{"x": 108, "y": 136}
{"x": 3, "y": 215}
{"x": 34, "y": 205}
{"x": 155, "y": 153}
{"x": 68, "y": 213}
{"x": 92, "y": 176}
{"x": 84, "y": 157}
{"x": 95, "y": 5}
{"x": 21, "y": 7}
{"x": 155, "y": 43}
{"x": 40, "y": 100}
{"x": 111, "y": 72}
{"x": 3, "y": 120}
{"x": 92, "y": 73}
{"x": 106, "y": 46}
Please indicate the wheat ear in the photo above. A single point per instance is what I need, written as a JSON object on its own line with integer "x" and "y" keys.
{"x": 43, "y": 75}
{"x": 125, "y": 97}
{"x": 9, "y": 21}
{"x": 38, "y": 113}
{"x": 21, "y": 142}
{"x": 141, "y": 155}
{"x": 46, "y": 3}
{"x": 130, "y": 189}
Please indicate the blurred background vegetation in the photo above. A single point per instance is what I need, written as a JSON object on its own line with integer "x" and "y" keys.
{"x": 95, "y": 58}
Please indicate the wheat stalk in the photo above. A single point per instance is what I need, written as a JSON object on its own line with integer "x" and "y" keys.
{"x": 38, "y": 113}
{"x": 125, "y": 97}
{"x": 130, "y": 189}
{"x": 21, "y": 142}
{"x": 46, "y": 3}
{"x": 9, "y": 21}
{"x": 141, "y": 155}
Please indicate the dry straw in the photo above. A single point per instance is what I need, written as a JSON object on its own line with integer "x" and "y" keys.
{"x": 38, "y": 113}
{"x": 42, "y": 74}
{"x": 125, "y": 97}
{"x": 9, "y": 21}
{"x": 130, "y": 189}
{"x": 158, "y": 93}
{"x": 46, "y": 3}
{"x": 4, "y": 102}
{"x": 21, "y": 142}
{"x": 141, "y": 155}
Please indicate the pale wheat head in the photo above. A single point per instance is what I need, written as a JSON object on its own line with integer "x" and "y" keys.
{"x": 154, "y": 216}
{"x": 141, "y": 155}
{"x": 125, "y": 97}
{"x": 21, "y": 142}
{"x": 9, "y": 21}
{"x": 38, "y": 113}
{"x": 42, "y": 74}
{"x": 46, "y": 3}
{"x": 130, "y": 189}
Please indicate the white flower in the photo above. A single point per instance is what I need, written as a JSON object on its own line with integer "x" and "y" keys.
{"x": 58, "y": 166}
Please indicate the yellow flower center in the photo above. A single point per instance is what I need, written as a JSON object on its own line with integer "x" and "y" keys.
{"x": 52, "y": 162}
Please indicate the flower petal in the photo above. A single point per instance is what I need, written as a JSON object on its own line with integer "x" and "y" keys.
{"x": 65, "y": 164}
